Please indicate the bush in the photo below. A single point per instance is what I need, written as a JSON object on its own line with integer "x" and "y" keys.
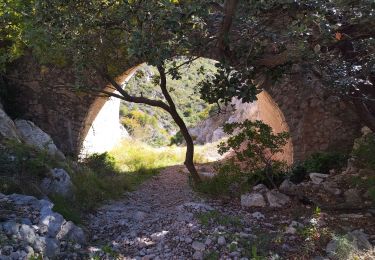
{"x": 102, "y": 163}
{"x": 22, "y": 167}
{"x": 255, "y": 146}
{"x": 228, "y": 181}
{"x": 323, "y": 162}
{"x": 177, "y": 139}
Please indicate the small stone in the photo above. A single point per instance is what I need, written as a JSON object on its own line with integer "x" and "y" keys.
{"x": 208, "y": 241}
{"x": 221, "y": 241}
{"x": 318, "y": 178}
{"x": 188, "y": 240}
{"x": 158, "y": 236}
{"x": 253, "y": 200}
{"x": 260, "y": 188}
{"x": 198, "y": 246}
{"x": 257, "y": 215}
{"x": 290, "y": 230}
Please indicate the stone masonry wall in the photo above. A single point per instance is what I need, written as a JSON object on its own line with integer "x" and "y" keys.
{"x": 316, "y": 121}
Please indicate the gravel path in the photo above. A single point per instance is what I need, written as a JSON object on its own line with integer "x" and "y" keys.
{"x": 165, "y": 219}
{"x": 159, "y": 221}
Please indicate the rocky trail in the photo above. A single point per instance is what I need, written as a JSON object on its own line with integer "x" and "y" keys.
{"x": 165, "y": 219}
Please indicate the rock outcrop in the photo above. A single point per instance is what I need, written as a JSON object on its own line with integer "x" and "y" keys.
{"x": 58, "y": 182}
{"x": 8, "y": 129}
{"x": 30, "y": 228}
{"x": 34, "y": 136}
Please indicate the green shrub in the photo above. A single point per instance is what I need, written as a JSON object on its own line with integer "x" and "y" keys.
{"x": 22, "y": 167}
{"x": 225, "y": 182}
{"x": 364, "y": 151}
{"x": 93, "y": 186}
{"x": 177, "y": 139}
{"x": 297, "y": 173}
{"x": 255, "y": 146}
{"x": 102, "y": 163}
{"x": 324, "y": 161}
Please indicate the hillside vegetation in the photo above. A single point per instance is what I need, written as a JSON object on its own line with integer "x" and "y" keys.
{"x": 153, "y": 125}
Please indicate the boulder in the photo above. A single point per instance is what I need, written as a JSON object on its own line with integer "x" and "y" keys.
{"x": 353, "y": 241}
{"x": 34, "y": 136}
{"x": 49, "y": 247}
{"x": 288, "y": 187}
{"x": 58, "y": 182}
{"x": 52, "y": 222}
{"x": 277, "y": 199}
{"x": 71, "y": 232}
{"x": 8, "y": 129}
{"x": 27, "y": 234}
{"x": 360, "y": 240}
{"x": 253, "y": 199}
{"x": 317, "y": 178}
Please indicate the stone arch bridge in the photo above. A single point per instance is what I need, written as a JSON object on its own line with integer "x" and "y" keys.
{"x": 315, "y": 121}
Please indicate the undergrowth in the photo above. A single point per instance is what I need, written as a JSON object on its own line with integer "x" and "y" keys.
{"x": 97, "y": 178}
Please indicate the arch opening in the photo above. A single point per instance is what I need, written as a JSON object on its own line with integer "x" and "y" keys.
{"x": 103, "y": 130}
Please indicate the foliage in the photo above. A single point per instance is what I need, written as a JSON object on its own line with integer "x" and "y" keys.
{"x": 153, "y": 125}
{"x": 332, "y": 41}
{"x": 103, "y": 161}
{"x": 227, "y": 83}
{"x": 177, "y": 139}
{"x": 364, "y": 151}
{"x": 211, "y": 255}
{"x": 22, "y": 167}
{"x": 321, "y": 162}
{"x": 229, "y": 181}
{"x": 255, "y": 146}
{"x": 324, "y": 162}
{"x": 129, "y": 158}
{"x": 297, "y": 173}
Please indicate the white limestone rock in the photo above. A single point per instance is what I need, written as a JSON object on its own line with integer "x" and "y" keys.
{"x": 58, "y": 183}
{"x": 288, "y": 187}
{"x": 318, "y": 178}
{"x": 36, "y": 137}
{"x": 8, "y": 129}
{"x": 277, "y": 199}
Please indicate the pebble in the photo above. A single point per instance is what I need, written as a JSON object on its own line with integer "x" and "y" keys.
{"x": 198, "y": 246}
{"x": 221, "y": 241}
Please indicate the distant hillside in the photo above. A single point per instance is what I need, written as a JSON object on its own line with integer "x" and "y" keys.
{"x": 153, "y": 125}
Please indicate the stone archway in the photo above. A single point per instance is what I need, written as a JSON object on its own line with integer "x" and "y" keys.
{"x": 101, "y": 129}
{"x": 316, "y": 121}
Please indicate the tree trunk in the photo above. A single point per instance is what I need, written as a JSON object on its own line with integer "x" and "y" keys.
{"x": 189, "y": 158}
{"x": 230, "y": 7}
